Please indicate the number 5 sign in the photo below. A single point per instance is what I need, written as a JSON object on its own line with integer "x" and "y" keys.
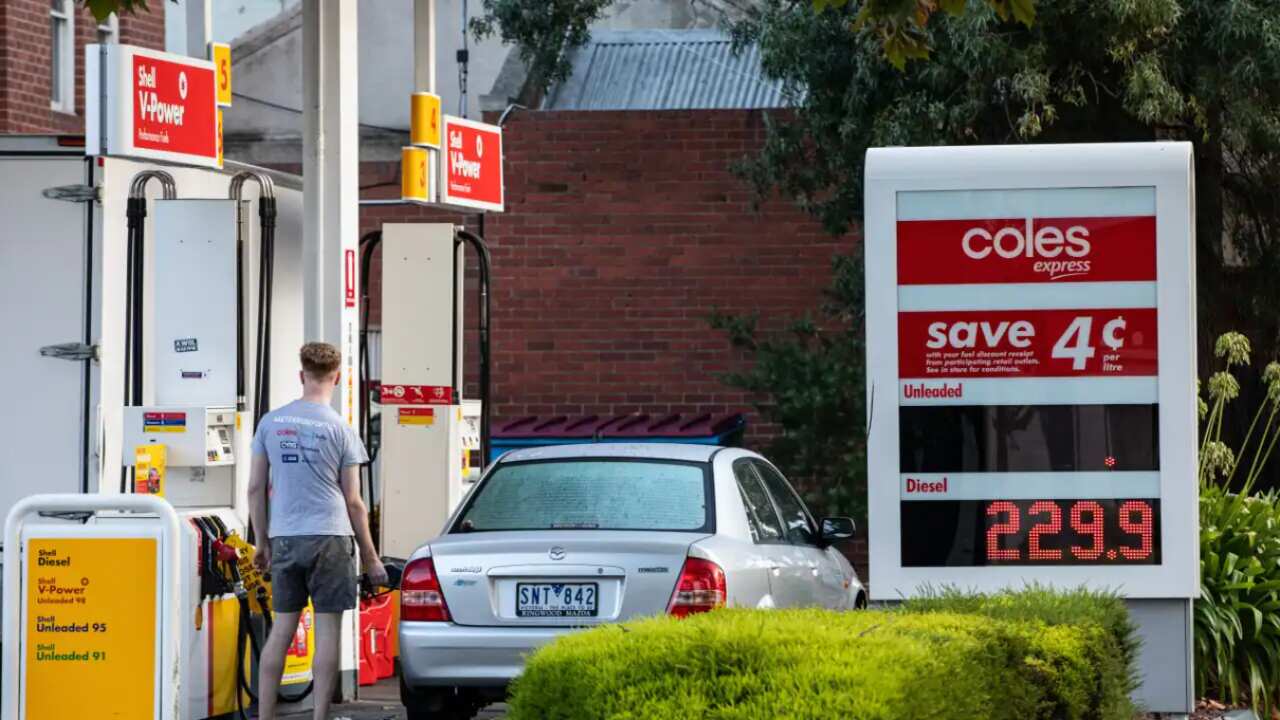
{"x": 1031, "y": 368}
{"x": 220, "y": 54}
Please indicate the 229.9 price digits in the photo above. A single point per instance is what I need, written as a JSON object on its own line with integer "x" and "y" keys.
{"x": 1039, "y": 532}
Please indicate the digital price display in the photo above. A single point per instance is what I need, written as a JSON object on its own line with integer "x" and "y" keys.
{"x": 1031, "y": 368}
{"x": 1032, "y": 532}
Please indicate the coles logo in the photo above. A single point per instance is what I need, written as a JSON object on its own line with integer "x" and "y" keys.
{"x": 1058, "y": 252}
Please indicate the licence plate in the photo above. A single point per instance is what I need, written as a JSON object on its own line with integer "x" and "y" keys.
{"x": 557, "y": 599}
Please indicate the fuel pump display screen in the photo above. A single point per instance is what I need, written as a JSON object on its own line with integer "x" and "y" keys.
{"x": 1028, "y": 413}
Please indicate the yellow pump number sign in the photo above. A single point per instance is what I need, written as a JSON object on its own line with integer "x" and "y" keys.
{"x": 90, "y": 628}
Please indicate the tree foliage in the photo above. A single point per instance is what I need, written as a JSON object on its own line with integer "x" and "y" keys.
{"x": 1088, "y": 70}
{"x": 808, "y": 381}
{"x": 545, "y": 31}
{"x": 102, "y": 9}
{"x": 901, "y": 25}
{"x": 1084, "y": 71}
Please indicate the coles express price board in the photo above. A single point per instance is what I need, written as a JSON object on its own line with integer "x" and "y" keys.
{"x": 1031, "y": 365}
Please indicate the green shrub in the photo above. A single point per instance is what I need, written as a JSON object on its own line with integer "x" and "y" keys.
{"x": 1040, "y": 603}
{"x": 1237, "y": 617}
{"x": 873, "y": 665}
{"x": 1113, "y": 647}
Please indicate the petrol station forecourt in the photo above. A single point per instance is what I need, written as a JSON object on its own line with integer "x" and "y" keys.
{"x": 1032, "y": 422}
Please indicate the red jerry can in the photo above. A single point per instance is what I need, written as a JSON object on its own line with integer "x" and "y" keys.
{"x": 376, "y": 661}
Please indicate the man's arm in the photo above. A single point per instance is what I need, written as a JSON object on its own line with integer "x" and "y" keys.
{"x": 359, "y": 515}
{"x": 258, "y": 472}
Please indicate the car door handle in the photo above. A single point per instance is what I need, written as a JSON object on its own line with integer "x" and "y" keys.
{"x": 775, "y": 570}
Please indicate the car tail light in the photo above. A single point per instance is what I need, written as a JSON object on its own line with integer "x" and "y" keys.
{"x": 421, "y": 597}
{"x": 701, "y": 588}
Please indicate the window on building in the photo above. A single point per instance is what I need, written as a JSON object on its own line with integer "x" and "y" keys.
{"x": 109, "y": 31}
{"x": 62, "y": 46}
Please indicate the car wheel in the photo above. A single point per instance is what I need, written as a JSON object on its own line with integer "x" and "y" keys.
{"x": 444, "y": 703}
{"x": 860, "y": 602}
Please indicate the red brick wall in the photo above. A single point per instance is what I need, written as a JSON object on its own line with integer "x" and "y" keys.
{"x": 623, "y": 233}
{"x": 25, "y": 56}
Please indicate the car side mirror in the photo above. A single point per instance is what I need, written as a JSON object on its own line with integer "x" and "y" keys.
{"x": 835, "y": 529}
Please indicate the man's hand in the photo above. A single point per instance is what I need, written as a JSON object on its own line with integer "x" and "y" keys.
{"x": 374, "y": 570}
{"x": 262, "y": 558}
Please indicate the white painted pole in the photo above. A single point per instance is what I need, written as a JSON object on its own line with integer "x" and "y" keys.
{"x": 330, "y": 169}
{"x": 199, "y": 27}
{"x": 424, "y": 46}
{"x": 331, "y": 217}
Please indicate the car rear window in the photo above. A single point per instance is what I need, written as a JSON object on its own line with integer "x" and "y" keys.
{"x": 591, "y": 495}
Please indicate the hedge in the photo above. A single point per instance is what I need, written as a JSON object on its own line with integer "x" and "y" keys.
{"x": 994, "y": 661}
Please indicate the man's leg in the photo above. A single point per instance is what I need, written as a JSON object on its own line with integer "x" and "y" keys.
{"x": 333, "y": 590}
{"x": 324, "y": 666}
{"x": 271, "y": 664}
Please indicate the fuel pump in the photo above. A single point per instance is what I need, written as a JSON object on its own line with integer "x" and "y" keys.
{"x": 433, "y": 442}
{"x": 186, "y": 430}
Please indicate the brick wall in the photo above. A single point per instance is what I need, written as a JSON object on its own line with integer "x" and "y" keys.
{"x": 623, "y": 233}
{"x": 25, "y": 56}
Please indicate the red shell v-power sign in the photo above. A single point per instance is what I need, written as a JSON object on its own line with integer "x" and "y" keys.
{"x": 471, "y": 165}
{"x": 175, "y": 107}
{"x": 143, "y": 103}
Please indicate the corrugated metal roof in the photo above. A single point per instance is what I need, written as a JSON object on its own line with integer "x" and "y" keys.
{"x": 664, "y": 70}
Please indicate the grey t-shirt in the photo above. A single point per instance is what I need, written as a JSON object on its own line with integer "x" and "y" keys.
{"x": 307, "y": 444}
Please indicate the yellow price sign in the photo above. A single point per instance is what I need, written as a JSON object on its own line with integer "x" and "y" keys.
{"x": 90, "y": 647}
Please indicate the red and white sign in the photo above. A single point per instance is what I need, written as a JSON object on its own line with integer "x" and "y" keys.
{"x": 157, "y": 105}
{"x": 1031, "y": 368}
{"x": 1086, "y": 249}
{"x": 415, "y": 394}
{"x": 349, "y": 278}
{"x": 471, "y": 166}
{"x": 1027, "y": 343}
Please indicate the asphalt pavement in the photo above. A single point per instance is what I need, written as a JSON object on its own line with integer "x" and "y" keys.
{"x": 382, "y": 702}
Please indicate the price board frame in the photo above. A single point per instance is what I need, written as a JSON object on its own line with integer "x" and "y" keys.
{"x": 1006, "y": 294}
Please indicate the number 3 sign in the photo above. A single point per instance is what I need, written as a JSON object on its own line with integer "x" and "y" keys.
{"x": 1031, "y": 368}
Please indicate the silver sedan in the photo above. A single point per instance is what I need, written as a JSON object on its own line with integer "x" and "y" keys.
{"x": 555, "y": 539}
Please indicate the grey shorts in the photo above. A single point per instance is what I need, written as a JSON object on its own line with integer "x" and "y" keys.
{"x": 322, "y": 567}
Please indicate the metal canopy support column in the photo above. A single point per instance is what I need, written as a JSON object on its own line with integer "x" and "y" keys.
{"x": 330, "y": 167}
{"x": 424, "y": 45}
{"x": 331, "y": 222}
{"x": 199, "y": 27}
